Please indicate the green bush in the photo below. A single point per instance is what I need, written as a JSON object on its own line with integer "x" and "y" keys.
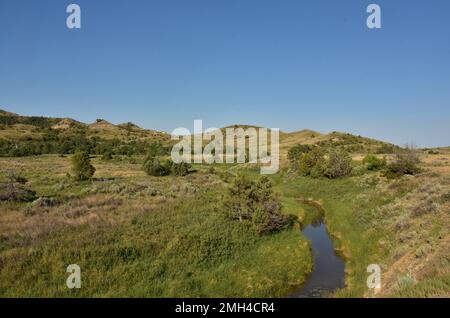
{"x": 14, "y": 188}
{"x": 406, "y": 162}
{"x": 254, "y": 202}
{"x": 309, "y": 160}
{"x": 319, "y": 170}
{"x": 373, "y": 163}
{"x": 81, "y": 166}
{"x": 181, "y": 169}
{"x": 338, "y": 164}
{"x": 157, "y": 168}
{"x": 317, "y": 163}
{"x": 386, "y": 149}
{"x": 295, "y": 153}
{"x": 107, "y": 156}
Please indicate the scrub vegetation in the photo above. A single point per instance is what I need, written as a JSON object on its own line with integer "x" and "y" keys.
{"x": 139, "y": 225}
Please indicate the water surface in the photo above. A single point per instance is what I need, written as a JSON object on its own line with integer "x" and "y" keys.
{"x": 329, "y": 269}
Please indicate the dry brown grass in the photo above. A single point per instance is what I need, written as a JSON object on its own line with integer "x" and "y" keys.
{"x": 119, "y": 192}
{"x": 420, "y": 221}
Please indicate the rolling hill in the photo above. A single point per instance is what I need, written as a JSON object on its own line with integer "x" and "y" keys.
{"x": 16, "y": 128}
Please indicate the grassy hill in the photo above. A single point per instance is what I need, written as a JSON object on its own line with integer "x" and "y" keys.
{"x": 146, "y": 236}
{"x": 24, "y": 135}
{"x": 33, "y": 135}
{"x": 17, "y": 127}
{"x": 355, "y": 145}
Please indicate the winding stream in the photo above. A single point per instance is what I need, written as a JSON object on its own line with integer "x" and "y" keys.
{"x": 329, "y": 269}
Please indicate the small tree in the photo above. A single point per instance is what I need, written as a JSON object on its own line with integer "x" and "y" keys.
{"x": 406, "y": 161}
{"x": 295, "y": 153}
{"x": 181, "y": 169}
{"x": 255, "y": 203}
{"x": 373, "y": 163}
{"x": 81, "y": 166}
{"x": 338, "y": 164}
{"x": 154, "y": 167}
{"x": 154, "y": 150}
{"x": 309, "y": 160}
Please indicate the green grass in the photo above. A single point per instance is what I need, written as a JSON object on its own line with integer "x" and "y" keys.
{"x": 175, "y": 247}
{"x": 431, "y": 287}
{"x": 358, "y": 242}
{"x": 140, "y": 236}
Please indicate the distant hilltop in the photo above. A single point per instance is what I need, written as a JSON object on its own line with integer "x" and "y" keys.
{"x": 14, "y": 125}
{"x": 18, "y": 127}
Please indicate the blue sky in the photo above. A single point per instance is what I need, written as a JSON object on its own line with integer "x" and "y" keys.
{"x": 283, "y": 64}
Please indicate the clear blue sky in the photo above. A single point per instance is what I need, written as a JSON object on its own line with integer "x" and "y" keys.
{"x": 284, "y": 64}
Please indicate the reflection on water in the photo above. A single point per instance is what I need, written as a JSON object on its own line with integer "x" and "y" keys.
{"x": 329, "y": 269}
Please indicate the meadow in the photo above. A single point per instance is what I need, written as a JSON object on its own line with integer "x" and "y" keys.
{"x": 138, "y": 236}
{"x": 139, "y": 228}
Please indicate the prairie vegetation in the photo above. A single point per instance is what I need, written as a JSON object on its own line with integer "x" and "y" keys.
{"x": 398, "y": 220}
{"x": 139, "y": 225}
{"x": 137, "y": 235}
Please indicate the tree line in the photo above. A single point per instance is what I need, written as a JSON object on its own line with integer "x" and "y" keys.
{"x": 53, "y": 142}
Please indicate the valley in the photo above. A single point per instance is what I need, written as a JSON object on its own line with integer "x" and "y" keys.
{"x": 140, "y": 235}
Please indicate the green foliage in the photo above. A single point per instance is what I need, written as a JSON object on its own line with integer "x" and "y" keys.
{"x": 14, "y": 189}
{"x": 406, "y": 162}
{"x": 295, "y": 153}
{"x": 309, "y": 160}
{"x": 183, "y": 248}
{"x": 42, "y": 122}
{"x": 338, "y": 164}
{"x": 107, "y": 156}
{"x": 181, "y": 169}
{"x": 153, "y": 166}
{"x": 154, "y": 150}
{"x": 333, "y": 164}
{"x": 81, "y": 166}
{"x": 386, "y": 149}
{"x": 374, "y": 163}
{"x": 54, "y": 141}
{"x": 254, "y": 203}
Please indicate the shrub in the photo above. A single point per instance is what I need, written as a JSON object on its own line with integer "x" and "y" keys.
{"x": 255, "y": 203}
{"x": 154, "y": 167}
{"x": 309, "y": 160}
{"x": 373, "y": 163}
{"x": 211, "y": 170}
{"x": 319, "y": 170}
{"x": 12, "y": 176}
{"x": 406, "y": 162}
{"x": 14, "y": 188}
{"x": 180, "y": 169}
{"x": 81, "y": 166}
{"x": 154, "y": 150}
{"x": 107, "y": 156}
{"x": 386, "y": 149}
{"x": 338, "y": 164}
{"x": 16, "y": 192}
{"x": 445, "y": 197}
{"x": 295, "y": 153}
{"x": 335, "y": 164}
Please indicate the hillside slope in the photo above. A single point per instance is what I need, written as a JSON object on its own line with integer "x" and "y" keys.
{"x": 17, "y": 127}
